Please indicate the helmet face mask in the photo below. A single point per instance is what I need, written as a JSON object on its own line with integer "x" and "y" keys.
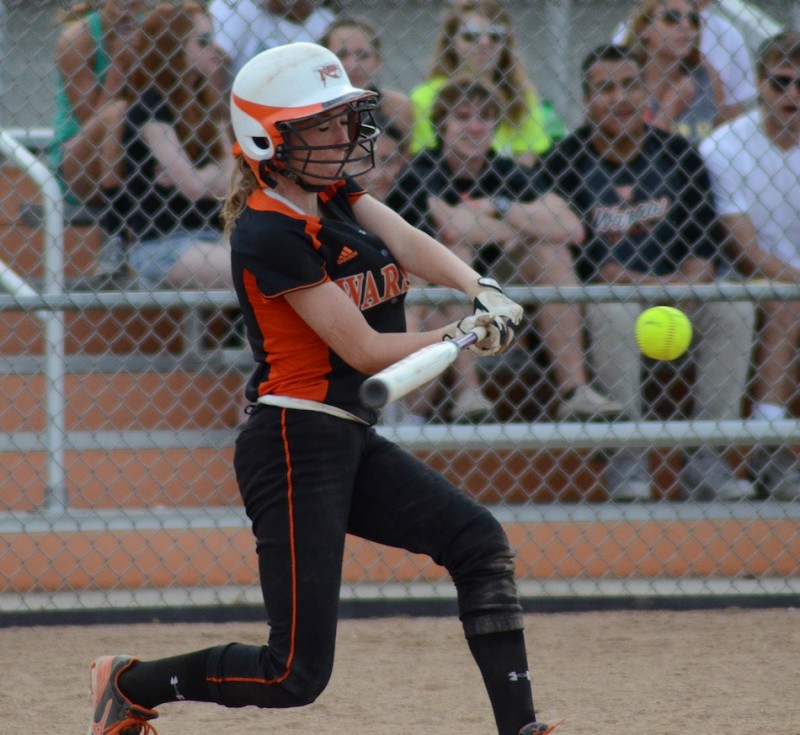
{"x": 279, "y": 100}
{"x": 295, "y": 154}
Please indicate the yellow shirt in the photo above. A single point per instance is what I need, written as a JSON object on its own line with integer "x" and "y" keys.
{"x": 509, "y": 139}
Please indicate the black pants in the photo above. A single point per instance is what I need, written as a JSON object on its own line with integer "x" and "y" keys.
{"x": 307, "y": 479}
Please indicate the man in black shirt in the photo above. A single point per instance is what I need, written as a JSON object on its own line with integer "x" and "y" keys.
{"x": 643, "y": 196}
{"x": 485, "y": 208}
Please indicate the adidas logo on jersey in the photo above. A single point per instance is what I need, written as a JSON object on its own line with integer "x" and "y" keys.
{"x": 345, "y": 255}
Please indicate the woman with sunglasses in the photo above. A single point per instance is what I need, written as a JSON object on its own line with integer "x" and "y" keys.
{"x": 686, "y": 93}
{"x": 357, "y": 43}
{"x": 476, "y": 38}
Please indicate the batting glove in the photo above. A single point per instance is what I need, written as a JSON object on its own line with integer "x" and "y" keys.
{"x": 492, "y": 298}
{"x": 499, "y": 332}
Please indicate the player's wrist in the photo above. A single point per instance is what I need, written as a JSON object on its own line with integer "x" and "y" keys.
{"x": 483, "y": 283}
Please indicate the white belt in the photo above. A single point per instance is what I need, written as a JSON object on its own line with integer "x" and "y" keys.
{"x": 305, "y": 405}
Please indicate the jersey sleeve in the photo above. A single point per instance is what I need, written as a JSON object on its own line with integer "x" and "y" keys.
{"x": 281, "y": 252}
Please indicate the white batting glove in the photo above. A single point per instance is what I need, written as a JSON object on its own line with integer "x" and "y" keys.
{"x": 499, "y": 332}
{"x": 491, "y": 298}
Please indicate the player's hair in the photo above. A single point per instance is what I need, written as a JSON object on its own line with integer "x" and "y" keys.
{"x": 509, "y": 76}
{"x": 461, "y": 90}
{"x": 642, "y": 18}
{"x": 163, "y": 66}
{"x": 605, "y": 52}
{"x": 359, "y": 22}
{"x": 777, "y": 50}
{"x": 244, "y": 184}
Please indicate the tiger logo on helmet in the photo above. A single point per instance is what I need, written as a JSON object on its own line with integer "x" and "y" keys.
{"x": 283, "y": 91}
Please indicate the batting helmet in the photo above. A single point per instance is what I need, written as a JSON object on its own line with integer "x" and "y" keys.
{"x": 283, "y": 91}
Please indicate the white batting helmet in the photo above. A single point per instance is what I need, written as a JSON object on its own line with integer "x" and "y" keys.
{"x": 281, "y": 92}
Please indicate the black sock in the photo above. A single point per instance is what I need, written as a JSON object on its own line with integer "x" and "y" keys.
{"x": 567, "y": 394}
{"x": 503, "y": 663}
{"x": 150, "y": 683}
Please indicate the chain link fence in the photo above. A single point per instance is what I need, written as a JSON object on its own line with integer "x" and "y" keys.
{"x": 122, "y": 396}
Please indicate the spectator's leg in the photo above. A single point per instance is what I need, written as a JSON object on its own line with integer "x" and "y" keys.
{"x": 775, "y": 383}
{"x": 615, "y": 355}
{"x": 776, "y": 468}
{"x": 723, "y": 351}
{"x": 723, "y": 356}
{"x": 617, "y": 364}
{"x": 560, "y": 326}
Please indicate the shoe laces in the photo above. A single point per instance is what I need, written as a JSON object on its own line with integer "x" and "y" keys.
{"x": 140, "y": 725}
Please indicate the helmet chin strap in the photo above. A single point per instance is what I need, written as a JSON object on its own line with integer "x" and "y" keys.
{"x": 266, "y": 168}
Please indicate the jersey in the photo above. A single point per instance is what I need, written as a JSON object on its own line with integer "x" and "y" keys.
{"x": 649, "y": 215}
{"x": 754, "y": 177}
{"x": 277, "y": 249}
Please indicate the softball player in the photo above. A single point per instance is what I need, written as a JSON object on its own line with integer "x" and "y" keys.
{"x": 320, "y": 271}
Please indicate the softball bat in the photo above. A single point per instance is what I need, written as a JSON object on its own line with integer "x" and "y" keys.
{"x": 415, "y": 370}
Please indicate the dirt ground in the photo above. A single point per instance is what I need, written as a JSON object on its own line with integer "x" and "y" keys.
{"x": 618, "y": 673}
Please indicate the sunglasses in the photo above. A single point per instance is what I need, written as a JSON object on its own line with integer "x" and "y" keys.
{"x": 674, "y": 17}
{"x": 472, "y": 33}
{"x": 205, "y": 40}
{"x": 782, "y": 82}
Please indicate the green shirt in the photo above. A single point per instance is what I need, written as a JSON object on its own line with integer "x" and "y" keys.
{"x": 65, "y": 124}
{"x": 534, "y": 134}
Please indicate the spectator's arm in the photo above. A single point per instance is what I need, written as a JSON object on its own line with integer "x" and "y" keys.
{"x": 748, "y": 256}
{"x": 176, "y": 168}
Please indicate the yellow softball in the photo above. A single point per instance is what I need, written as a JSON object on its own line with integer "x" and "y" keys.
{"x": 663, "y": 333}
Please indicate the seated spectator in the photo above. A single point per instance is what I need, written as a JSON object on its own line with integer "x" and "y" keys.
{"x": 94, "y": 54}
{"x": 476, "y": 38}
{"x": 177, "y": 165}
{"x": 357, "y": 44}
{"x": 685, "y": 92}
{"x": 644, "y": 198}
{"x": 725, "y": 49}
{"x": 244, "y": 28}
{"x": 483, "y": 206}
{"x": 754, "y": 163}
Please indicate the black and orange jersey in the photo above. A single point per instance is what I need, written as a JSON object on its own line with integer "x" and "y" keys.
{"x": 276, "y": 249}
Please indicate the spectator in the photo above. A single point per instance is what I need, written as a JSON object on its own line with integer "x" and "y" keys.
{"x": 483, "y": 206}
{"x": 644, "y": 197}
{"x": 357, "y": 44}
{"x": 176, "y": 163}
{"x": 754, "y": 162}
{"x": 686, "y": 93}
{"x": 243, "y": 28}
{"x": 725, "y": 49}
{"x": 477, "y": 38}
{"x": 389, "y": 158}
{"x": 94, "y": 54}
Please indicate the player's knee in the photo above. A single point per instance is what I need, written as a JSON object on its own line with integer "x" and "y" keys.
{"x": 305, "y": 684}
{"x": 481, "y": 563}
